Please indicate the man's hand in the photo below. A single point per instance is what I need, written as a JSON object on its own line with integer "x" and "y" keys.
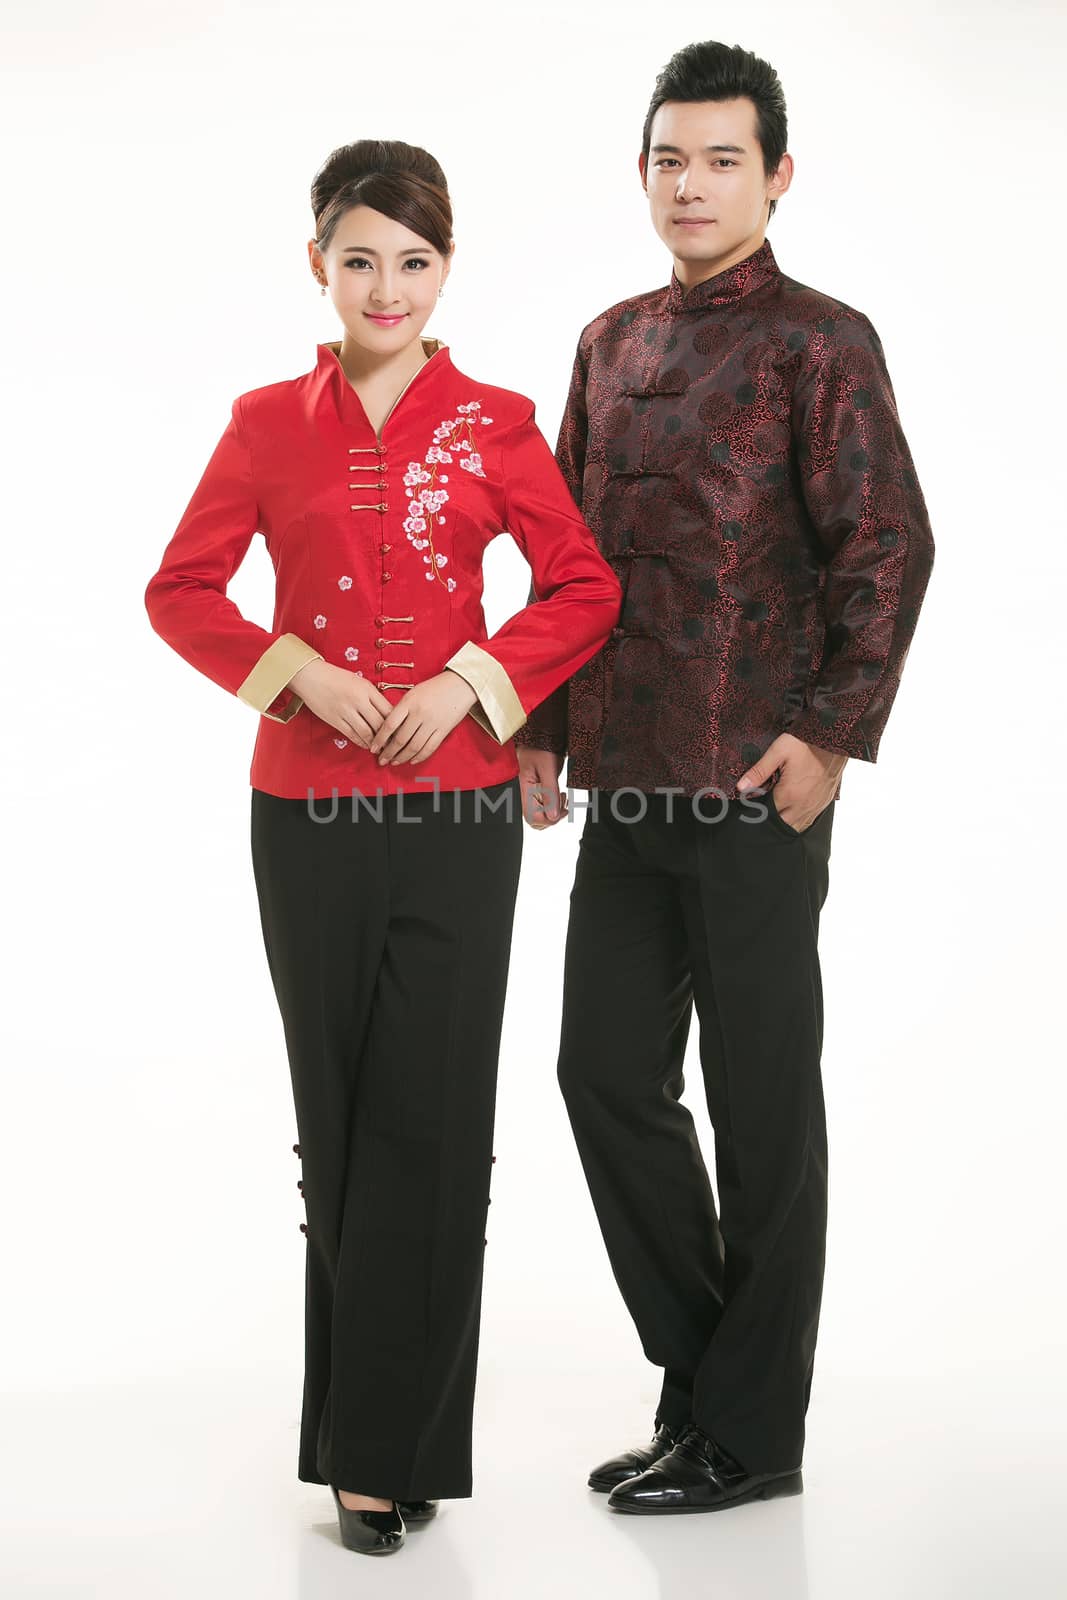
{"x": 542, "y": 803}
{"x": 341, "y": 698}
{"x": 422, "y": 718}
{"x": 808, "y": 781}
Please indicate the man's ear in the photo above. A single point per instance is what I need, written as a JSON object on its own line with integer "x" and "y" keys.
{"x": 782, "y": 178}
{"x": 642, "y": 167}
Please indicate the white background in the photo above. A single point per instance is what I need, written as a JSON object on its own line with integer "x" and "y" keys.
{"x": 156, "y": 218}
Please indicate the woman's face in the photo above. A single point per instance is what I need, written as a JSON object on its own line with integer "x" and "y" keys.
{"x": 383, "y": 279}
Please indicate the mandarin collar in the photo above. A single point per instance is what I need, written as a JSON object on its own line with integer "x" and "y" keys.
{"x": 726, "y": 287}
{"x": 330, "y": 374}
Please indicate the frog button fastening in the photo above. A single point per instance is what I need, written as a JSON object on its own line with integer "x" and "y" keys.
{"x": 380, "y": 486}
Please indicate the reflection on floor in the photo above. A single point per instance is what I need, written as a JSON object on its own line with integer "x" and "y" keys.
{"x": 918, "y": 1490}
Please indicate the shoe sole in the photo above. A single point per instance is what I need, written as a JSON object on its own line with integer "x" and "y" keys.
{"x": 788, "y": 1483}
{"x": 383, "y": 1550}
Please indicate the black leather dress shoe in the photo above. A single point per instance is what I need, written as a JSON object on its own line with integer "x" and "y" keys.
{"x": 417, "y": 1510}
{"x": 632, "y": 1462}
{"x": 372, "y": 1533}
{"x": 698, "y": 1475}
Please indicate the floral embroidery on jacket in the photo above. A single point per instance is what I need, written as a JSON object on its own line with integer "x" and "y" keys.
{"x": 454, "y": 437}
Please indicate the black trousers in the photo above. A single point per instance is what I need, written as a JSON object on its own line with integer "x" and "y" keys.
{"x": 387, "y": 927}
{"x": 668, "y": 911}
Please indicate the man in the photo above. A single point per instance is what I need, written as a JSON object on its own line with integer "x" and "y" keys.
{"x": 733, "y": 441}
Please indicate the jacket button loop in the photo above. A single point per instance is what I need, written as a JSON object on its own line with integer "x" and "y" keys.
{"x": 386, "y": 577}
{"x": 303, "y": 1227}
{"x": 379, "y": 665}
{"x": 385, "y": 549}
{"x": 296, "y": 1147}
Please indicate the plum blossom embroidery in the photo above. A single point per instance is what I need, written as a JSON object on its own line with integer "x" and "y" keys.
{"x": 320, "y": 621}
{"x": 340, "y": 743}
{"x": 351, "y": 654}
{"x": 344, "y": 583}
{"x": 453, "y": 437}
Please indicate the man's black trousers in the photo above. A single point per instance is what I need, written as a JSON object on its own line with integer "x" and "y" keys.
{"x": 388, "y": 940}
{"x": 669, "y": 910}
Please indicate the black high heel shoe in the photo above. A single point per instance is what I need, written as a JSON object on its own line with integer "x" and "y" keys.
{"x": 372, "y": 1533}
{"x": 417, "y": 1510}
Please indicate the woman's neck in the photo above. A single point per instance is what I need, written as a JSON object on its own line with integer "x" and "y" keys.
{"x": 364, "y": 369}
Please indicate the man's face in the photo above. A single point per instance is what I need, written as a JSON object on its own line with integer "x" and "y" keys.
{"x": 707, "y": 191}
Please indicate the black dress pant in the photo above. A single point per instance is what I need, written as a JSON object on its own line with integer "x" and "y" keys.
{"x": 387, "y": 924}
{"x": 668, "y": 911}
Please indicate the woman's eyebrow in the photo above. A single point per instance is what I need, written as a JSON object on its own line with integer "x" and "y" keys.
{"x": 366, "y": 250}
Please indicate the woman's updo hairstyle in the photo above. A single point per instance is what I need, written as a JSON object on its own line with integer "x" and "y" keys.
{"x": 400, "y": 180}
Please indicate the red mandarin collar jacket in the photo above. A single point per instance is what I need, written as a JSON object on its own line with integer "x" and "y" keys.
{"x": 736, "y": 449}
{"x": 377, "y": 545}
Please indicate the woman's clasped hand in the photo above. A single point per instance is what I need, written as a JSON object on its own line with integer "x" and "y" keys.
{"x": 411, "y": 730}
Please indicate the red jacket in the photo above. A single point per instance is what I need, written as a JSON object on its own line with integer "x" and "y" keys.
{"x": 377, "y": 544}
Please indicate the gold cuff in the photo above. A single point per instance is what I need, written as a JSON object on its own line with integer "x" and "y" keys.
{"x": 272, "y": 672}
{"x": 500, "y": 712}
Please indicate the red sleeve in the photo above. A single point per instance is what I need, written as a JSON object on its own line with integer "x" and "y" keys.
{"x": 578, "y": 595}
{"x": 186, "y": 599}
{"x": 547, "y": 726}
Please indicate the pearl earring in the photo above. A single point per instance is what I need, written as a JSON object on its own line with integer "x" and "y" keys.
{"x": 440, "y": 292}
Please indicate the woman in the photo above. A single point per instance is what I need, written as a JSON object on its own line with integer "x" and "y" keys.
{"x": 386, "y": 828}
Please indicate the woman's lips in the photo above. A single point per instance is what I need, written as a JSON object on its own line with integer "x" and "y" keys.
{"x": 386, "y": 322}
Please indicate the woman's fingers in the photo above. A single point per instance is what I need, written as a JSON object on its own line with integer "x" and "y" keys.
{"x": 427, "y": 749}
{"x": 404, "y": 743}
{"x": 396, "y": 732}
{"x": 378, "y": 700}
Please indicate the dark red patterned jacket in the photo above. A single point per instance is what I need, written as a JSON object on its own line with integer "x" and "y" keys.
{"x": 737, "y": 452}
